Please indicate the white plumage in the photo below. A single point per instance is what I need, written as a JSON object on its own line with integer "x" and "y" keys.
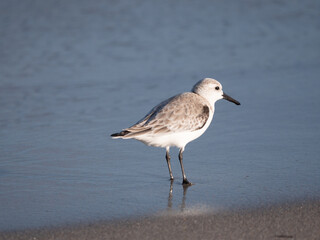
{"x": 178, "y": 120}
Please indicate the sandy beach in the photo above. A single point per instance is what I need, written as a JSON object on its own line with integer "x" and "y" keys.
{"x": 285, "y": 221}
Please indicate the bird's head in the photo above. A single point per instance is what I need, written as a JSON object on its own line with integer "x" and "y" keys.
{"x": 211, "y": 90}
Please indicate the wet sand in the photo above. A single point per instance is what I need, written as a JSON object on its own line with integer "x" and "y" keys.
{"x": 285, "y": 221}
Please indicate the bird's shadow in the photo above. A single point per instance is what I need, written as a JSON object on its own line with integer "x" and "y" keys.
{"x": 182, "y": 205}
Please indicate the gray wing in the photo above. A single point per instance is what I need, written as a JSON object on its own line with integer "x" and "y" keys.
{"x": 184, "y": 112}
{"x": 153, "y": 112}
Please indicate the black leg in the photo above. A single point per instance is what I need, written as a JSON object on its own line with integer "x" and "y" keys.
{"x": 168, "y": 162}
{"x": 185, "y": 180}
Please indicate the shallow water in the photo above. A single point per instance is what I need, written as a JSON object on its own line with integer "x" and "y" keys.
{"x": 74, "y": 72}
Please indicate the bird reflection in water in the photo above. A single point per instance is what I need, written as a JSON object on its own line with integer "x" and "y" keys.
{"x": 183, "y": 200}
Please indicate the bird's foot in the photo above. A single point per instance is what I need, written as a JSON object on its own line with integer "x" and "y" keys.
{"x": 186, "y": 182}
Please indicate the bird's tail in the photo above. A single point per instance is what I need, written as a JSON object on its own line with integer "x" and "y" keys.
{"x": 121, "y": 134}
{"x": 131, "y": 133}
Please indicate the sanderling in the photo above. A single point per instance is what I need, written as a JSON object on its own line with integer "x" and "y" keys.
{"x": 178, "y": 120}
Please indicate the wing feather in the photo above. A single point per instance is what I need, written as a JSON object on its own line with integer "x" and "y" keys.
{"x": 184, "y": 112}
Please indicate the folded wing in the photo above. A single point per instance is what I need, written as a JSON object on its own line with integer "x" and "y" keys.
{"x": 177, "y": 114}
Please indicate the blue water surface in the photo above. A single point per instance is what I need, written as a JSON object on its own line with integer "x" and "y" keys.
{"x": 73, "y": 72}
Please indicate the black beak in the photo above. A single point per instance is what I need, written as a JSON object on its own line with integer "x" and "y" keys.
{"x": 226, "y": 97}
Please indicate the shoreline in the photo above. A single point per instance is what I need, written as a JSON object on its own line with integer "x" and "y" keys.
{"x": 299, "y": 220}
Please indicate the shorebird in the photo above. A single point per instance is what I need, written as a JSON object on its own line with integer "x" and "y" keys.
{"x": 178, "y": 120}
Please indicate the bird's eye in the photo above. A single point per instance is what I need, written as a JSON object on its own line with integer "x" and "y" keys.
{"x": 217, "y": 88}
